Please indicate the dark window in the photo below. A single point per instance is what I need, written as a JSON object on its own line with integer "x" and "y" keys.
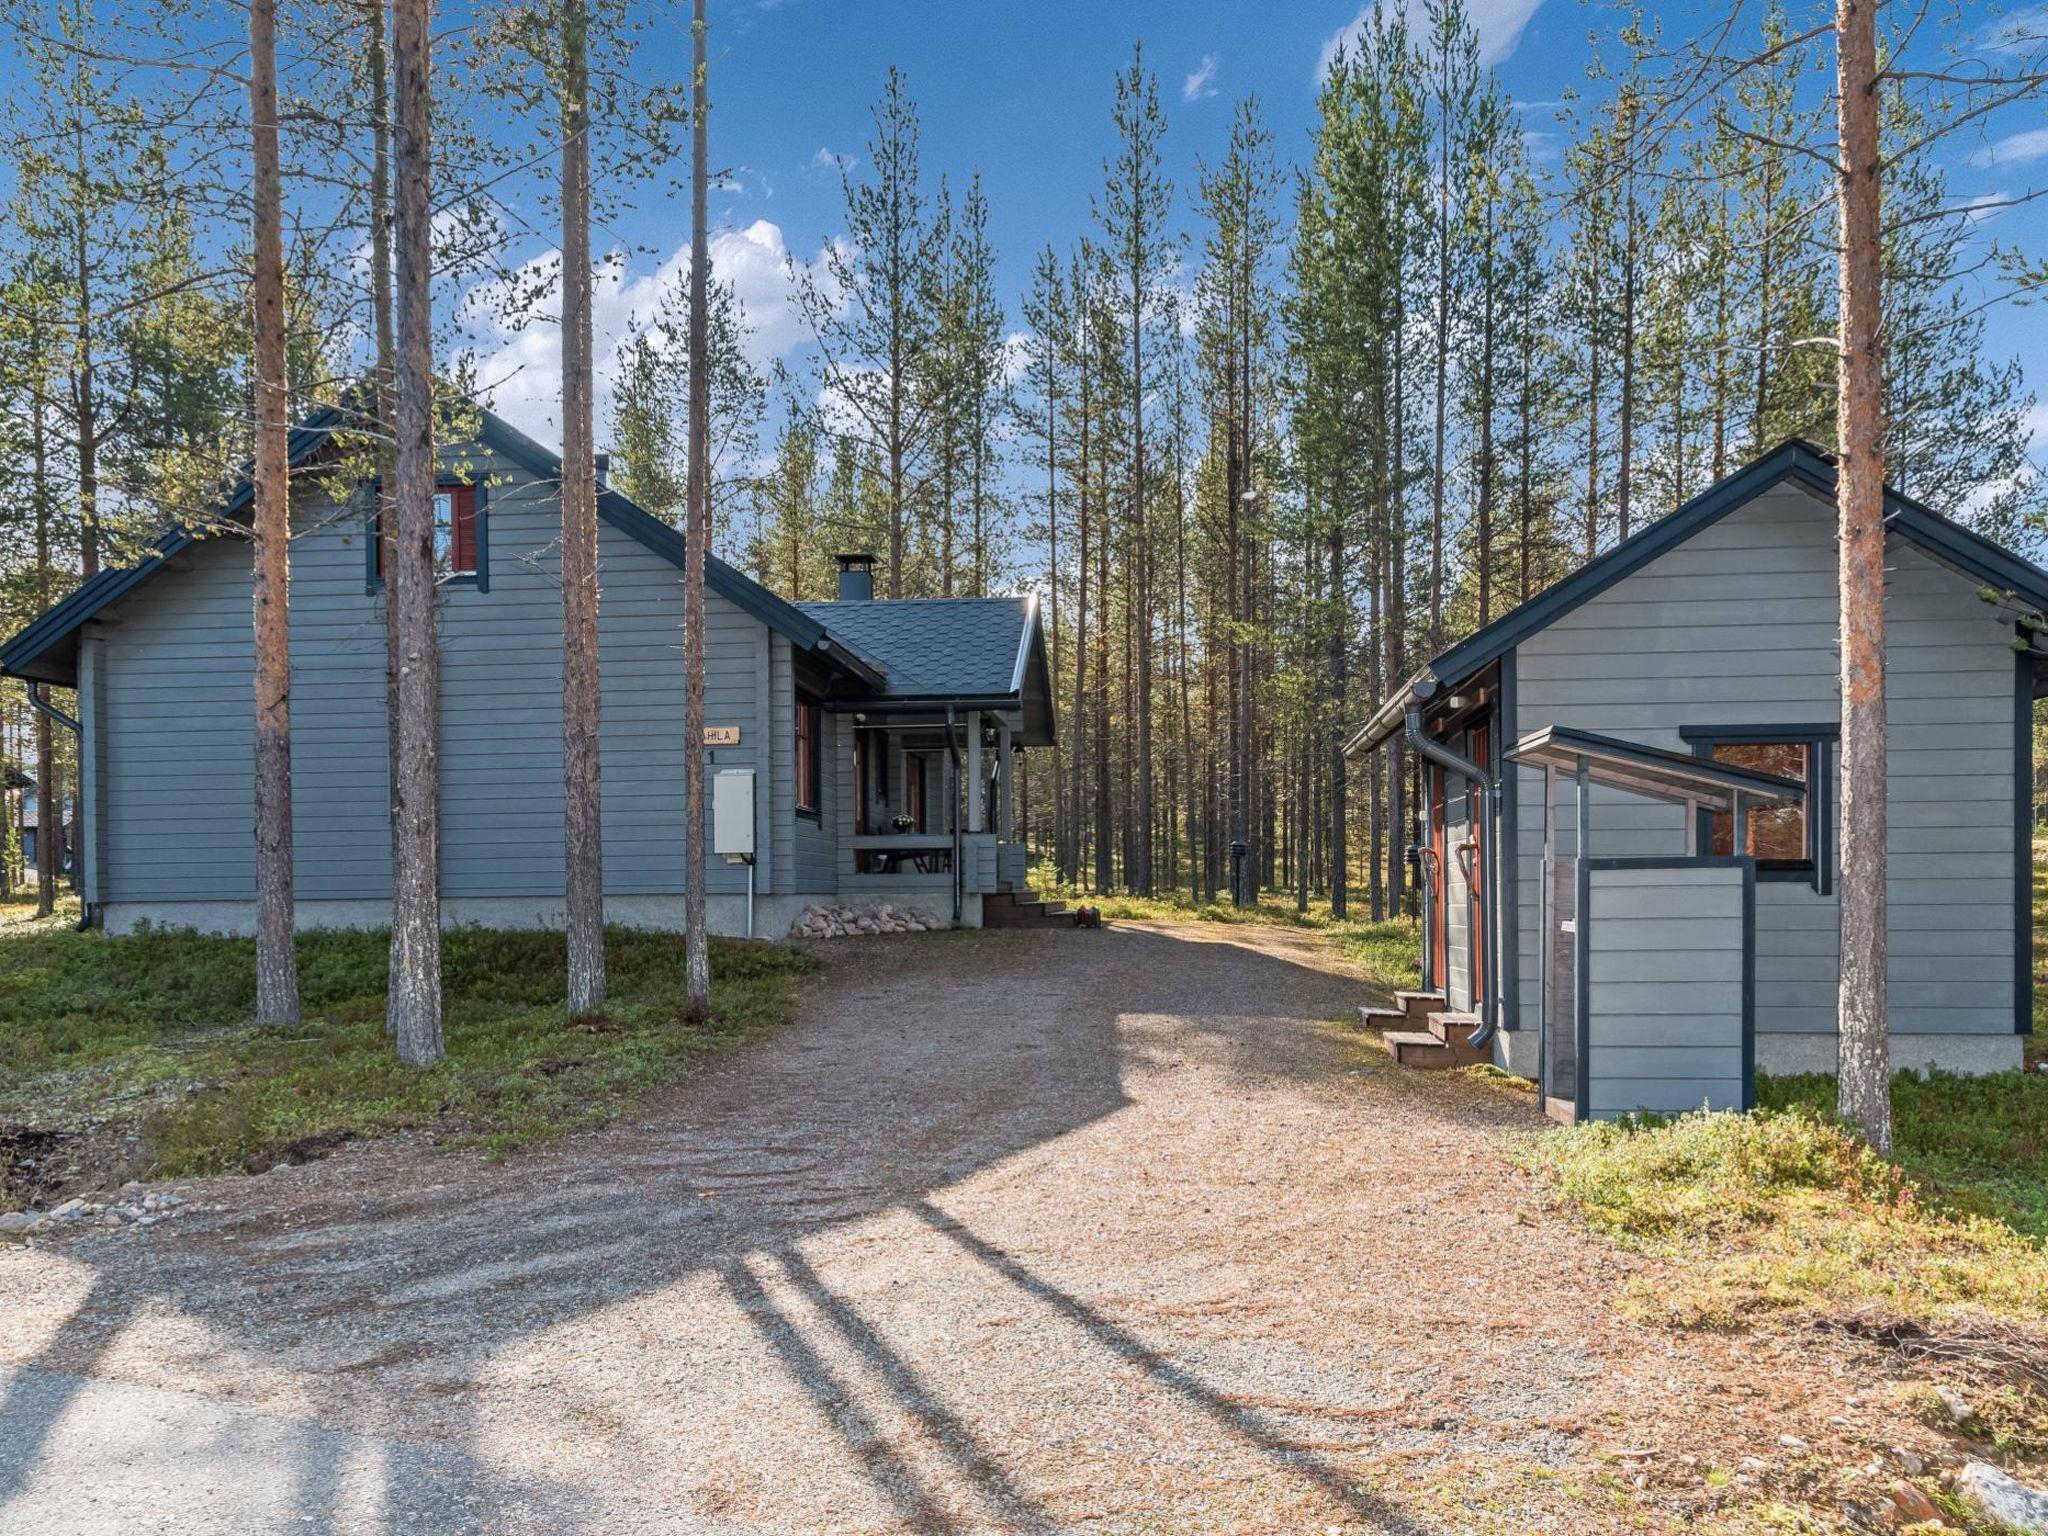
{"x": 809, "y": 718}
{"x": 457, "y": 546}
{"x": 1781, "y": 837}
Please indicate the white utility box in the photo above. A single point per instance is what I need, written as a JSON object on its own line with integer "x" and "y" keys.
{"x": 732, "y": 813}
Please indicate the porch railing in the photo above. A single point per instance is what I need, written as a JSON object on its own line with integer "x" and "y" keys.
{"x": 918, "y": 854}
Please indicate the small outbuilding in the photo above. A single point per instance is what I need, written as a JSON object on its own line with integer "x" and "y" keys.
{"x": 1628, "y": 837}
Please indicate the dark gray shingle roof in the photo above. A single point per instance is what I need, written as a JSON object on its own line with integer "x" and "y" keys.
{"x": 964, "y": 647}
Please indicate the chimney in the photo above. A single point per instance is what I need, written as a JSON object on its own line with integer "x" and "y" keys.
{"x": 604, "y": 469}
{"x": 856, "y": 578}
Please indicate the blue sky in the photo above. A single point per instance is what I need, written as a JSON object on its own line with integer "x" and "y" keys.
{"x": 1022, "y": 93}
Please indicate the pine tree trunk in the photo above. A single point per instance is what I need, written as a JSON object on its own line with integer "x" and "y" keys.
{"x": 582, "y": 792}
{"x": 46, "y": 746}
{"x": 1052, "y": 578}
{"x": 697, "y": 532}
{"x": 1072, "y": 872}
{"x": 386, "y": 526}
{"x": 414, "y": 1003}
{"x": 277, "y": 977}
{"x": 1339, "y": 690}
{"x": 1865, "y": 1066}
{"x": 1105, "y": 825}
{"x": 1625, "y": 470}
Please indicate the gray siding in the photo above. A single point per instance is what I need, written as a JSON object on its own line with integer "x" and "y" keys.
{"x": 1664, "y": 990}
{"x": 1737, "y": 626}
{"x": 174, "y": 696}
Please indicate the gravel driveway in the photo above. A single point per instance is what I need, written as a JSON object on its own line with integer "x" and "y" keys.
{"x": 1013, "y": 1231}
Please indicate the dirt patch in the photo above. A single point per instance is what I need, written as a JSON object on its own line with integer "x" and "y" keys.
{"x": 30, "y": 1166}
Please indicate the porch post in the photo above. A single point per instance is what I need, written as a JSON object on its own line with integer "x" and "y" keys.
{"x": 1006, "y": 794}
{"x": 977, "y": 784}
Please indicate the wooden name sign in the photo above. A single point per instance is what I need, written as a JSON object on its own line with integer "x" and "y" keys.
{"x": 721, "y": 735}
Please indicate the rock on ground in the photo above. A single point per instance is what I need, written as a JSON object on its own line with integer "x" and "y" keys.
{"x": 2003, "y": 1498}
{"x": 840, "y": 920}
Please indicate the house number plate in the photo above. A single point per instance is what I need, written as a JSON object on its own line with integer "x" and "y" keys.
{"x": 721, "y": 735}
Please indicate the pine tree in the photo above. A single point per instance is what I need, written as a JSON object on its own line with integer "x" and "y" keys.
{"x": 869, "y": 311}
{"x": 277, "y": 977}
{"x": 415, "y": 991}
{"x": 1132, "y": 213}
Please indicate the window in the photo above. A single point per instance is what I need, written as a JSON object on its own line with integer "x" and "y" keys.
{"x": 454, "y": 530}
{"x": 809, "y": 719}
{"x": 458, "y": 536}
{"x": 1790, "y": 841}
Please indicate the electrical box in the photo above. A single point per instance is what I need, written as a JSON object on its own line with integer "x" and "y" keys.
{"x": 732, "y": 813}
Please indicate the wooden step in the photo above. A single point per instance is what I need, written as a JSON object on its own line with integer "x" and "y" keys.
{"x": 1453, "y": 1027}
{"x": 1419, "y": 1048}
{"x": 1417, "y": 1006}
{"x": 1007, "y": 909}
{"x": 1382, "y": 1018}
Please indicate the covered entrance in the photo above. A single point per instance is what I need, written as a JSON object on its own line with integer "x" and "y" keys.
{"x": 1647, "y": 946}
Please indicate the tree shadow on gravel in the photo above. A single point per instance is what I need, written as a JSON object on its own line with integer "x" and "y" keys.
{"x": 384, "y": 1280}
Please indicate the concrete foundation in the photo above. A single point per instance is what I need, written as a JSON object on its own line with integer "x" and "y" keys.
{"x": 724, "y": 914}
{"x": 1973, "y": 1055}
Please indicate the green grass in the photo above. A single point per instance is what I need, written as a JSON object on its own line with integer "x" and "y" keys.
{"x": 1391, "y": 950}
{"x": 1978, "y": 1144}
{"x": 148, "y": 1037}
{"x": 1785, "y": 1210}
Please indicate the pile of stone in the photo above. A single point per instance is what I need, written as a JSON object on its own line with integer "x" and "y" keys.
{"x": 842, "y": 921}
{"x": 132, "y": 1208}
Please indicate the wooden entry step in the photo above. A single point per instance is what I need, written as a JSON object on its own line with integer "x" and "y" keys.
{"x": 1446, "y": 1043}
{"x": 1416, "y": 1007}
{"x": 1010, "y": 909}
{"x": 1453, "y": 1027}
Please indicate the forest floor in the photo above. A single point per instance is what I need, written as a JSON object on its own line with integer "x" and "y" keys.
{"x": 135, "y": 1057}
{"x": 1127, "y": 1231}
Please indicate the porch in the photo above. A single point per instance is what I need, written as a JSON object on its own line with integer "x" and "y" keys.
{"x": 929, "y": 808}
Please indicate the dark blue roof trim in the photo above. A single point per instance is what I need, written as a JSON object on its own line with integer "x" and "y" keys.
{"x": 1795, "y": 461}
{"x": 20, "y": 656}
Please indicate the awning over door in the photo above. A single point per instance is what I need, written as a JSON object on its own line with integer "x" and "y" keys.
{"x": 1655, "y": 771}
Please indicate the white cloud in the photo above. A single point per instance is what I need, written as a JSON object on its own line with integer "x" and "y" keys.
{"x": 2017, "y": 30}
{"x": 831, "y": 160}
{"x": 1499, "y": 24}
{"x": 1202, "y": 82}
{"x": 520, "y": 367}
{"x": 2035, "y": 425}
{"x": 2014, "y": 148}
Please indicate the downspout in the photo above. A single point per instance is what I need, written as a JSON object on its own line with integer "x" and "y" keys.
{"x": 39, "y": 701}
{"x": 1436, "y": 752}
{"x": 953, "y": 812}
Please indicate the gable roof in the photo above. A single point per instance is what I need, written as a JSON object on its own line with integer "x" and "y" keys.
{"x": 47, "y": 648}
{"x": 1795, "y": 462}
{"x": 988, "y": 651}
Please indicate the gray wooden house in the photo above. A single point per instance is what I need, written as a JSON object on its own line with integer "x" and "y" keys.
{"x": 1628, "y": 838}
{"x": 875, "y": 741}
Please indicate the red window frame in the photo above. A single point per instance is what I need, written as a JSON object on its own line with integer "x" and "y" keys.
{"x": 462, "y": 539}
{"x": 809, "y": 780}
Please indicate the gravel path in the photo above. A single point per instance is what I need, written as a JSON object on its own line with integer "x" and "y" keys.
{"x": 1010, "y": 1232}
